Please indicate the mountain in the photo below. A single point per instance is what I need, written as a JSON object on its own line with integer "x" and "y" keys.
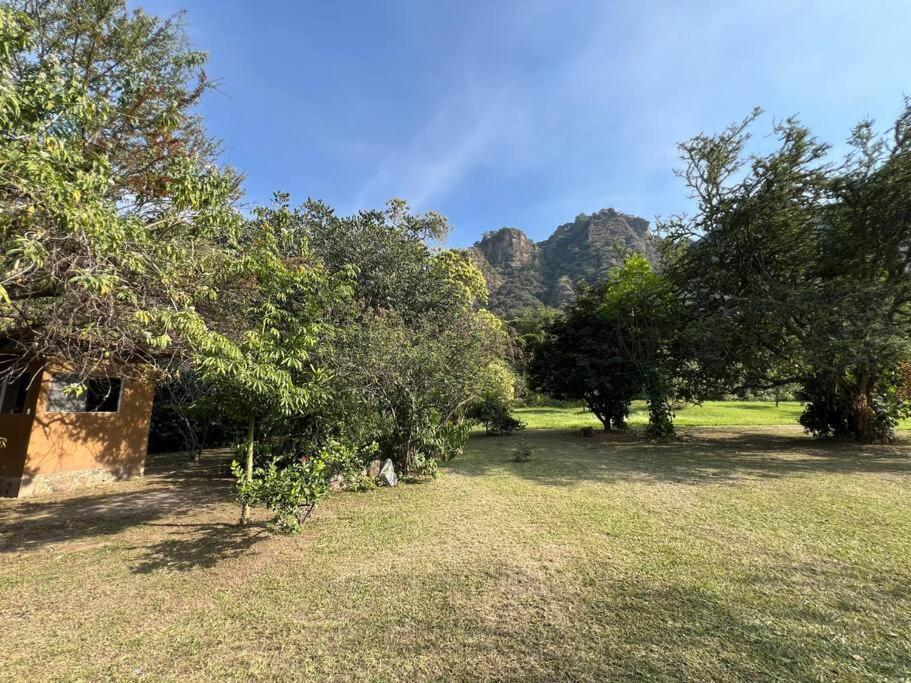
{"x": 523, "y": 274}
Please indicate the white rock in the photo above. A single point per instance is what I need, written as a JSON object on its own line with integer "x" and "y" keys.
{"x": 387, "y": 475}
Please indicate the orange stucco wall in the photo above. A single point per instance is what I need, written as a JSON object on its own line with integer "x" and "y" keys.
{"x": 59, "y": 443}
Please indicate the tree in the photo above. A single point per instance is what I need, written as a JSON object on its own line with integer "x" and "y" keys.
{"x": 613, "y": 344}
{"x": 796, "y": 270}
{"x": 277, "y": 315}
{"x": 410, "y": 354}
{"x": 493, "y": 406}
{"x": 115, "y": 226}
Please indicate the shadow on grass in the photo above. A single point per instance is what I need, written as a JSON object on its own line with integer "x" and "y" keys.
{"x": 172, "y": 487}
{"x": 199, "y": 546}
{"x": 685, "y": 632}
{"x": 564, "y": 458}
{"x": 532, "y": 627}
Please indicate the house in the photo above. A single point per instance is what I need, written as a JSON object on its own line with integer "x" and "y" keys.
{"x": 55, "y": 439}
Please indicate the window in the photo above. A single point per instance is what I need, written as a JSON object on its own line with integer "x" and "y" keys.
{"x": 98, "y": 395}
{"x": 13, "y": 393}
{"x": 103, "y": 395}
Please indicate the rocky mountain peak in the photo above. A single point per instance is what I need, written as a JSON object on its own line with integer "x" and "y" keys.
{"x": 507, "y": 247}
{"x": 521, "y": 273}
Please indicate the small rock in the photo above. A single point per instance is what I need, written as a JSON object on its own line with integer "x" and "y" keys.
{"x": 387, "y": 475}
{"x": 373, "y": 469}
{"x": 337, "y": 483}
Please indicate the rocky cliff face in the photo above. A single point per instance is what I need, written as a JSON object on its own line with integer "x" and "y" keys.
{"x": 521, "y": 273}
{"x": 508, "y": 248}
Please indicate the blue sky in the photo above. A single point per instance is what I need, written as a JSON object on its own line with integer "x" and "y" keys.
{"x": 527, "y": 112}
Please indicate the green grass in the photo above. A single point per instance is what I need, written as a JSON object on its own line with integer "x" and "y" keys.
{"x": 708, "y": 414}
{"x": 727, "y": 556}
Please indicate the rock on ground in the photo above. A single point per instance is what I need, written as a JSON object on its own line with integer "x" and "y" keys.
{"x": 387, "y": 475}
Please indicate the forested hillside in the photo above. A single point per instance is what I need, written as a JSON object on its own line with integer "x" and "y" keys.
{"x": 522, "y": 274}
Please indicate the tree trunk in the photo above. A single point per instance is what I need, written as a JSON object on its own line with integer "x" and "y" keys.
{"x": 602, "y": 416}
{"x": 251, "y": 428}
{"x": 862, "y": 416}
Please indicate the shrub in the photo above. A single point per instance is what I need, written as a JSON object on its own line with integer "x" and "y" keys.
{"x": 494, "y": 414}
{"x": 292, "y": 490}
{"x": 437, "y": 443}
{"x": 523, "y": 451}
{"x": 349, "y": 463}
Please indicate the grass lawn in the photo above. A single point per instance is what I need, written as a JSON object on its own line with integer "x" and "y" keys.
{"x": 708, "y": 414}
{"x": 725, "y": 556}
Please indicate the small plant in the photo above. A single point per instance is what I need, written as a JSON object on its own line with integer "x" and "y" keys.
{"x": 349, "y": 462}
{"x": 523, "y": 451}
{"x": 493, "y": 413}
{"x": 292, "y": 490}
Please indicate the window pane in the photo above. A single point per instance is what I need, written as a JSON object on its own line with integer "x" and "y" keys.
{"x": 61, "y": 401}
{"x": 103, "y": 395}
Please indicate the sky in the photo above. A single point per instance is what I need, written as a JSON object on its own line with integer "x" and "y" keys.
{"x": 526, "y": 113}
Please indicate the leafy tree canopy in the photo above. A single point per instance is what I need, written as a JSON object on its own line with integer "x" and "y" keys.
{"x": 796, "y": 269}
{"x": 611, "y": 346}
{"x": 115, "y": 224}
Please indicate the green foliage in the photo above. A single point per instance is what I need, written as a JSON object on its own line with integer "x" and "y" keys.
{"x": 495, "y": 415}
{"x": 613, "y": 344}
{"x": 797, "y": 271}
{"x": 281, "y": 310}
{"x": 660, "y": 410}
{"x": 289, "y": 491}
{"x": 115, "y": 224}
{"x": 291, "y": 486}
{"x": 412, "y": 351}
{"x": 496, "y": 397}
{"x": 523, "y": 451}
{"x": 348, "y": 462}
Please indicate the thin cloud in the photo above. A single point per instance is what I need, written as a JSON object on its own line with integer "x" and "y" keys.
{"x": 464, "y": 131}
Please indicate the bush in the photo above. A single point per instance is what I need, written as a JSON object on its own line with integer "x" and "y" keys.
{"x": 494, "y": 414}
{"x": 292, "y": 490}
{"x": 831, "y": 409}
{"x": 437, "y": 443}
{"x": 349, "y": 463}
{"x": 523, "y": 451}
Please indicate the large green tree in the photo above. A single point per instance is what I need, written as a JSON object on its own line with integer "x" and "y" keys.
{"x": 614, "y": 344}
{"x": 414, "y": 349}
{"x": 115, "y": 225}
{"x": 259, "y": 366}
{"x": 796, "y": 269}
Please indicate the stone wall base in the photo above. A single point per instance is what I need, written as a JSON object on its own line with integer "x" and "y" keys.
{"x": 61, "y": 482}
